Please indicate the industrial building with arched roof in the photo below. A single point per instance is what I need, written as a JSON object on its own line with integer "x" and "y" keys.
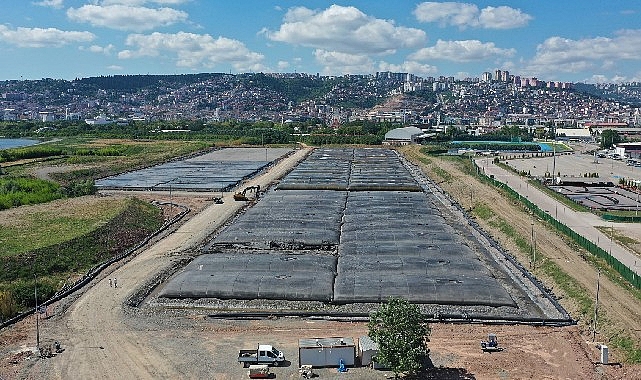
{"x": 403, "y": 136}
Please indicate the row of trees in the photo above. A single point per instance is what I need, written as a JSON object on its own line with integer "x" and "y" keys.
{"x": 261, "y": 132}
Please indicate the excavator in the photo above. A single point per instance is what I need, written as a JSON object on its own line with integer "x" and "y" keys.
{"x": 242, "y": 195}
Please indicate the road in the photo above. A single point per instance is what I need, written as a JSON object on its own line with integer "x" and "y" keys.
{"x": 98, "y": 342}
{"x": 583, "y": 223}
{"x": 104, "y": 340}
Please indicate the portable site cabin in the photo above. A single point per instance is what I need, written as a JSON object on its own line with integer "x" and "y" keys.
{"x": 367, "y": 351}
{"x": 326, "y": 352}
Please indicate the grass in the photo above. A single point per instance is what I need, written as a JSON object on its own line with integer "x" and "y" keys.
{"x": 482, "y": 211}
{"x": 34, "y": 227}
{"x": 625, "y": 241}
{"x": 568, "y": 285}
{"x": 18, "y": 191}
{"x": 571, "y": 287}
{"x": 92, "y": 159}
{"x": 446, "y": 176}
{"x": 627, "y": 345}
{"x": 83, "y": 242}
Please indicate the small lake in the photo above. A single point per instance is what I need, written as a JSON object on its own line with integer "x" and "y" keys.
{"x": 16, "y": 143}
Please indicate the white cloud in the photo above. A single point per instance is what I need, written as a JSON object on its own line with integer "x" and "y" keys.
{"x": 600, "y": 78}
{"x": 282, "y": 65}
{"x": 412, "y": 67}
{"x": 142, "y": 2}
{"x": 194, "y": 50}
{"x": 115, "y": 68}
{"x": 41, "y": 37}
{"x": 338, "y": 63}
{"x": 126, "y": 17}
{"x": 344, "y": 29}
{"x": 566, "y": 55}
{"x": 465, "y": 15}
{"x": 106, "y": 50}
{"x": 50, "y": 3}
{"x": 461, "y": 51}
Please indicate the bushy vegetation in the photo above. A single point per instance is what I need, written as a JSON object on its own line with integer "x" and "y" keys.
{"x": 53, "y": 265}
{"x": 16, "y": 154}
{"x": 27, "y": 191}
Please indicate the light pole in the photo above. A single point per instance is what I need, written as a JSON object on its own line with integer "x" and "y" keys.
{"x": 611, "y": 237}
{"x": 171, "y": 203}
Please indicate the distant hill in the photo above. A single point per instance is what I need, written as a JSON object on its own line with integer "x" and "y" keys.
{"x": 625, "y": 93}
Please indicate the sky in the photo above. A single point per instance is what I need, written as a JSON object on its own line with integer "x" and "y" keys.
{"x": 561, "y": 40}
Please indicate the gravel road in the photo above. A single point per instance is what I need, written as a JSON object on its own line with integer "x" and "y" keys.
{"x": 105, "y": 339}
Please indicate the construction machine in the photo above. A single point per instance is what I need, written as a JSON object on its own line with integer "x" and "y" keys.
{"x": 242, "y": 196}
{"x": 491, "y": 345}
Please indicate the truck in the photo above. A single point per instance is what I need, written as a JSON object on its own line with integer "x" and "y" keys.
{"x": 263, "y": 354}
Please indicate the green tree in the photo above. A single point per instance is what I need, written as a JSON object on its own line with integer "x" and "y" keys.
{"x": 609, "y": 138}
{"x": 398, "y": 329}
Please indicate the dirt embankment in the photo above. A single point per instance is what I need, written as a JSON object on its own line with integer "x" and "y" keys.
{"x": 620, "y": 311}
{"x": 103, "y": 339}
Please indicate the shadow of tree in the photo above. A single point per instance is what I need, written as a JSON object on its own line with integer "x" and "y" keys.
{"x": 446, "y": 374}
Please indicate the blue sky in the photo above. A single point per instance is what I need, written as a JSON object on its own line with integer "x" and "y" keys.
{"x": 562, "y": 40}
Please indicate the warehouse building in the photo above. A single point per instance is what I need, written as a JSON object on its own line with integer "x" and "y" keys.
{"x": 403, "y": 136}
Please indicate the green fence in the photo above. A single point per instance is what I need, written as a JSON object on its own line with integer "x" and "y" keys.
{"x": 594, "y": 249}
{"x": 619, "y": 218}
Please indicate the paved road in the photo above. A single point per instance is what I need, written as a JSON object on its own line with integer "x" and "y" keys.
{"x": 584, "y": 223}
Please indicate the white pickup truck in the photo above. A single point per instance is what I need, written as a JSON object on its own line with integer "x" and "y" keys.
{"x": 264, "y": 354}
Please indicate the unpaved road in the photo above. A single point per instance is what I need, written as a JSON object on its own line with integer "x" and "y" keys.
{"x": 105, "y": 340}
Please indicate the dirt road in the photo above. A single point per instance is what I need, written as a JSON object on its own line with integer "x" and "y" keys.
{"x": 621, "y": 311}
{"x": 98, "y": 342}
{"x": 105, "y": 340}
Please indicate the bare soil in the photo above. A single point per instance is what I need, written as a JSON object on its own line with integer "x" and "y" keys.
{"x": 105, "y": 339}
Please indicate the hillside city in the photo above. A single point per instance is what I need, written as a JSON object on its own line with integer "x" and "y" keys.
{"x": 479, "y": 104}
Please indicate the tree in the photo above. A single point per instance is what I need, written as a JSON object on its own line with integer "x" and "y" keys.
{"x": 609, "y": 138}
{"x": 398, "y": 329}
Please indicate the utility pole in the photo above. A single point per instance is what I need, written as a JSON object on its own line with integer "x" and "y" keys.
{"x": 554, "y": 160}
{"x": 35, "y": 294}
{"x": 533, "y": 243}
{"x": 596, "y": 306}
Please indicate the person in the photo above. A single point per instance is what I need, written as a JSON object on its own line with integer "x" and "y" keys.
{"x": 110, "y": 284}
{"x": 115, "y": 283}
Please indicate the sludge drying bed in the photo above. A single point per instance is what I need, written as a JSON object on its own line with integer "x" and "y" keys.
{"x": 219, "y": 170}
{"x": 353, "y": 247}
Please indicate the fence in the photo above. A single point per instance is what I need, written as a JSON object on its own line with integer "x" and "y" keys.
{"x": 594, "y": 249}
